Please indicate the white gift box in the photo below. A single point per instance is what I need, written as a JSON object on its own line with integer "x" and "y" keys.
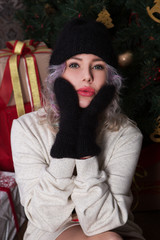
{"x": 12, "y": 214}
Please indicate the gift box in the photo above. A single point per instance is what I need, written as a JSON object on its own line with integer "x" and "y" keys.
{"x": 12, "y": 214}
{"x": 146, "y": 184}
{"x": 23, "y": 68}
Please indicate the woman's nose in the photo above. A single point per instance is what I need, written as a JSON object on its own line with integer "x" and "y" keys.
{"x": 87, "y": 75}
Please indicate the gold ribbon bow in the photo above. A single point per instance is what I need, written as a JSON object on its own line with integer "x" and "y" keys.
{"x": 27, "y": 50}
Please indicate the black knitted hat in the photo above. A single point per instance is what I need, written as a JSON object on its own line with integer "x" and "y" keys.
{"x": 83, "y": 36}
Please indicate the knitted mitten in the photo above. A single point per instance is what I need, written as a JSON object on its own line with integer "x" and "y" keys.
{"x": 86, "y": 143}
{"x": 67, "y": 99}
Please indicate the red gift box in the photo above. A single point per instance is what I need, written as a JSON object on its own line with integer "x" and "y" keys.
{"x": 23, "y": 67}
{"x": 12, "y": 213}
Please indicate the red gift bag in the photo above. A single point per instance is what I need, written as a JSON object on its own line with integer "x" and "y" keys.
{"x": 7, "y": 114}
{"x": 146, "y": 187}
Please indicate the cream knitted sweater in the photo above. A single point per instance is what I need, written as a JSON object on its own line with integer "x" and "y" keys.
{"x": 99, "y": 192}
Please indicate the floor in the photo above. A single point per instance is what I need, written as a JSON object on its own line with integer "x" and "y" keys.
{"x": 149, "y": 221}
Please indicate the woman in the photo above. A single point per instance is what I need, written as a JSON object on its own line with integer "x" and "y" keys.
{"x": 77, "y": 156}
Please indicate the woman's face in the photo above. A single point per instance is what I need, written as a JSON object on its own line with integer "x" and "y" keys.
{"x": 87, "y": 73}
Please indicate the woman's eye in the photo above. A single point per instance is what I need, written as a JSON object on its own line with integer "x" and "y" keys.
{"x": 73, "y": 65}
{"x": 98, "y": 67}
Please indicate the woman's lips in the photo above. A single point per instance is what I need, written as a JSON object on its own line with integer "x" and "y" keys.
{"x": 86, "y": 91}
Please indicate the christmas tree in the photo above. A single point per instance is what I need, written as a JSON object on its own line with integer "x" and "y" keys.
{"x": 134, "y": 26}
{"x": 138, "y": 45}
{"x": 37, "y": 19}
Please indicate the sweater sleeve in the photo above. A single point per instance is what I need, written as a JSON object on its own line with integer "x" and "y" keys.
{"x": 45, "y": 189}
{"x": 102, "y": 197}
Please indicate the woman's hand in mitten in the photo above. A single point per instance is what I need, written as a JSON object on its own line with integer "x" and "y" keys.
{"x": 67, "y": 99}
{"x": 86, "y": 144}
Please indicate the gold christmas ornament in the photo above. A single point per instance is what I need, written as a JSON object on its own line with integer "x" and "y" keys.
{"x": 104, "y": 17}
{"x": 125, "y": 59}
{"x": 154, "y": 9}
{"x": 155, "y": 136}
{"x": 49, "y": 9}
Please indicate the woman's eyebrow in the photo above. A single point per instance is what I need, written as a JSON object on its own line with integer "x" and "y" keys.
{"x": 97, "y": 59}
